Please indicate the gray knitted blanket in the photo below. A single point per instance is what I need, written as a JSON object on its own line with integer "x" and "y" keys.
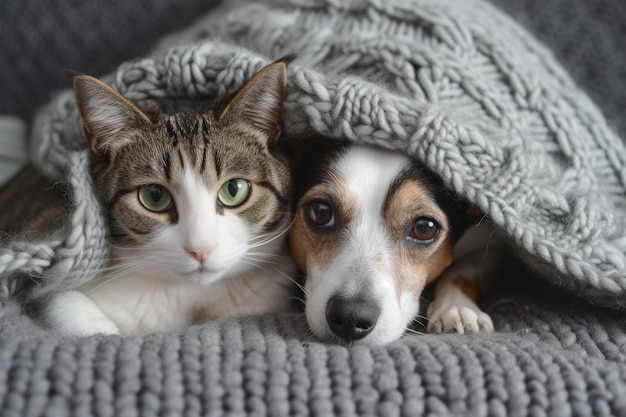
{"x": 457, "y": 85}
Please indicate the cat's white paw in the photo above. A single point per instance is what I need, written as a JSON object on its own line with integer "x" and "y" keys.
{"x": 99, "y": 325}
{"x": 460, "y": 319}
{"x": 72, "y": 313}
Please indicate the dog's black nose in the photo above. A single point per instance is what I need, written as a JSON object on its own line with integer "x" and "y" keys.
{"x": 351, "y": 319}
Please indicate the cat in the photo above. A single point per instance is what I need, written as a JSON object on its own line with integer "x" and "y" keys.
{"x": 197, "y": 200}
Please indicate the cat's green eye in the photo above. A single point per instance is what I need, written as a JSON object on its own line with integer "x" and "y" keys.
{"x": 234, "y": 192}
{"x": 155, "y": 198}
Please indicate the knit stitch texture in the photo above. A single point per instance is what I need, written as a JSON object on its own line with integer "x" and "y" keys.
{"x": 458, "y": 86}
{"x": 455, "y": 84}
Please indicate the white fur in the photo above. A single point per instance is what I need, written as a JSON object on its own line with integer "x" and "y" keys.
{"x": 452, "y": 310}
{"x": 162, "y": 286}
{"x": 475, "y": 260}
{"x": 365, "y": 265}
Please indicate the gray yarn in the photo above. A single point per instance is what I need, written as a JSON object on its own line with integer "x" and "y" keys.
{"x": 459, "y": 86}
{"x": 456, "y": 84}
{"x": 534, "y": 366}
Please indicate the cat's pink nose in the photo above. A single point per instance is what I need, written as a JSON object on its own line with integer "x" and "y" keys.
{"x": 201, "y": 253}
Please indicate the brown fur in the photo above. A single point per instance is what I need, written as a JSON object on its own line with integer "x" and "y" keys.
{"x": 151, "y": 141}
{"x": 410, "y": 198}
{"x": 130, "y": 153}
{"x": 313, "y": 246}
{"x": 422, "y": 223}
{"x": 468, "y": 286}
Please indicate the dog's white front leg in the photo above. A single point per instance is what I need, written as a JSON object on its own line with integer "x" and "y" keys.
{"x": 454, "y": 308}
{"x": 73, "y": 313}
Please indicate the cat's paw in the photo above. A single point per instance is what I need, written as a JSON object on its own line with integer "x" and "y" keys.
{"x": 99, "y": 325}
{"x": 460, "y": 319}
{"x": 72, "y": 313}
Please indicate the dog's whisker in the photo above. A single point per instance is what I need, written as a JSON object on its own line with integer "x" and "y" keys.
{"x": 300, "y": 299}
{"x": 296, "y": 283}
{"x": 419, "y": 317}
{"x": 413, "y": 331}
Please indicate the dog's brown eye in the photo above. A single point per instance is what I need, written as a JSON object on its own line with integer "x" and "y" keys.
{"x": 320, "y": 213}
{"x": 425, "y": 229}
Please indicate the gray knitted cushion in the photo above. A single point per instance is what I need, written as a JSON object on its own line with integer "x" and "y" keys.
{"x": 455, "y": 84}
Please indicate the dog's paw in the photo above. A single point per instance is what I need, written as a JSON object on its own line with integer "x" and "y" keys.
{"x": 460, "y": 319}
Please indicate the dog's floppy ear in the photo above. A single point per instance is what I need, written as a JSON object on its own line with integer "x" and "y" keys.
{"x": 467, "y": 216}
{"x": 310, "y": 162}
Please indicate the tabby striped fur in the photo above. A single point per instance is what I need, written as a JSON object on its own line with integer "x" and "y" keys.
{"x": 196, "y": 255}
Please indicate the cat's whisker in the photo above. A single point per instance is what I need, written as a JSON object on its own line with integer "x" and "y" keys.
{"x": 279, "y": 272}
{"x": 117, "y": 262}
{"x": 260, "y": 262}
{"x": 249, "y": 263}
{"x": 271, "y": 238}
{"x": 112, "y": 277}
{"x": 103, "y": 270}
{"x": 120, "y": 248}
{"x": 296, "y": 283}
{"x": 120, "y": 271}
{"x": 292, "y": 220}
{"x": 262, "y": 257}
{"x": 265, "y": 254}
{"x": 233, "y": 284}
{"x": 263, "y": 236}
{"x": 129, "y": 258}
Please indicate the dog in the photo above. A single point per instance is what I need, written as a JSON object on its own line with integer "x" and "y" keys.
{"x": 372, "y": 228}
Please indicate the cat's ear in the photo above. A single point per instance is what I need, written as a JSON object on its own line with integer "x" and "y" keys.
{"x": 107, "y": 115}
{"x": 259, "y": 102}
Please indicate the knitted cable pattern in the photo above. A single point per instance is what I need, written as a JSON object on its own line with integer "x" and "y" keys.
{"x": 458, "y": 86}
{"x": 60, "y": 263}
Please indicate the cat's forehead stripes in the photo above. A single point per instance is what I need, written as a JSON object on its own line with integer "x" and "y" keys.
{"x": 183, "y": 130}
{"x": 167, "y": 165}
{"x": 191, "y": 137}
{"x": 181, "y": 125}
{"x": 235, "y": 140}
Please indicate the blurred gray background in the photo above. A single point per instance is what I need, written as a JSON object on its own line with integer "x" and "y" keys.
{"x": 43, "y": 41}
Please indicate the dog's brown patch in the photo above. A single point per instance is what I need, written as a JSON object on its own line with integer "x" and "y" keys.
{"x": 468, "y": 286}
{"x": 416, "y": 264}
{"x": 306, "y": 248}
{"x": 312, "y": 245}
{"x": 474, "y": 214}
